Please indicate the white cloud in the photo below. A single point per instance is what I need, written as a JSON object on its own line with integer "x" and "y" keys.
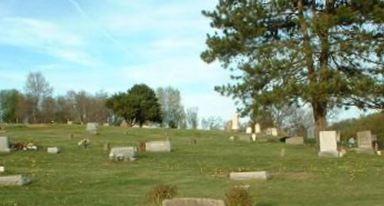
{"x": 44, "y": 37}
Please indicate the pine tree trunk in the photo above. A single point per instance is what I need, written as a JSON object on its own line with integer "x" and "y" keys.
{"x": 320, "y": 116}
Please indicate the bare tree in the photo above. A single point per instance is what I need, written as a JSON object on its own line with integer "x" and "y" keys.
{"x": 37, "y": 89}
{"x": 192, "y": 117}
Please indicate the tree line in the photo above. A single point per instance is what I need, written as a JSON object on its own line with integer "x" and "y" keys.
{"x": 137, "y": 106}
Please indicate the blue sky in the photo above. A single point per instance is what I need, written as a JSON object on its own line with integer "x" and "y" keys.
{"x": 110, "y": 45}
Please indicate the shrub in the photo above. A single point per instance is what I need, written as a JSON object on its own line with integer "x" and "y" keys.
{"x": 160, "y": 193}
{"x": 238, "y": 197}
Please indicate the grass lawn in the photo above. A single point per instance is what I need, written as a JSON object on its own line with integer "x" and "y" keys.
{"x": 80, "y": 176}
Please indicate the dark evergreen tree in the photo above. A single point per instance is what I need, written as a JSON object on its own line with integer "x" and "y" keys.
{"x": 326, "y": 53}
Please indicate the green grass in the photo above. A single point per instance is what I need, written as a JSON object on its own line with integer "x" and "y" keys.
{"x": 80, "y": 176}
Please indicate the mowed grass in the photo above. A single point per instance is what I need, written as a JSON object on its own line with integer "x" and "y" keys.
{"x": 80, "y": 176}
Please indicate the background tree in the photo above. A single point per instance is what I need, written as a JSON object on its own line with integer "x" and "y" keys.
{"x": 212, "y": 123}
{"x": 171, "y": 107}
{"x": 138, "y": 105}
{"x": 9, "y": 105}
{"x": 327, "y": 53}
{"x": 192, "y": 117}
{"x": 37, "y": 89}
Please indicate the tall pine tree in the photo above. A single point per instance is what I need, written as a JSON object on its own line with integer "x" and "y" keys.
{"x": 326, "y": 53}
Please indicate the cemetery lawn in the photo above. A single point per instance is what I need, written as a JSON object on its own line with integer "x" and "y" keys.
{"x": 80, "y": 176}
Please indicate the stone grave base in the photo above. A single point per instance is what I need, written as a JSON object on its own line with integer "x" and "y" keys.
{"x": 15, "y": 180}
{"x": 329, "y": 154}
{"x": 193, "y": 202}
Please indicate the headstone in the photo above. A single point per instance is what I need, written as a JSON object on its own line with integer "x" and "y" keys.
{"x": 124, "y": 124}
{"x": 69, "y": 122}
{"x": 295, "y": 140}
{"x": 158, "y": 146}
{"x": 123, "y": 153}
{"x": 258, "y": 175}
{"x": 248, "y": 130}
{"x": 2, "y": 169}
{"x": 193, "y": 202}
{"x": 15, "y": 180}
{"x": 364, "y": 142}
{"x": 92, "y": 127}
{"x": 4, "y": 144}
{"x": 106, "y": 124}
{"x": 328, "y": 144}
{"x": 236, "y": 123}
{"x": 53, "y": 150}
{"x": 272, "y": 131}
{"x": 257, "y": 128}
{"x": 244, "y": 138}
{"x": 253, "y": 136}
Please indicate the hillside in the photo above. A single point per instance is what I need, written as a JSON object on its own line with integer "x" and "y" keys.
{"x": 79, "y": 176}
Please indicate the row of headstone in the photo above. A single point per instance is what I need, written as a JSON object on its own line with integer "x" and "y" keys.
{"x": 328, "y": 143}
{"x": 129, "y": 153}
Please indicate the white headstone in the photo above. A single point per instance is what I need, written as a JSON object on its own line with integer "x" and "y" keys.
{"x": 92, "y": 127}
{"x": 364, "y": 142}
{"x": 254, "y": 137}
{"x": 257, "y": 128}
{"x": 158, "y": 146}
{"x": 53, "y": 150}
{"x": 192, "y": 202}
{"x": 15, "y": 180}
{"x": 248, "y": 130}
{"x": 258, "y": 175}
{"x": 123, "y": 153}
{"x": 236, "y": 123}
{"x": 2, "y": 169}
{"x": 4, "y": 144}
{"x": 328, "y": 143}
{"x": 272, "y": 131}
{"x": 295, "y": 140}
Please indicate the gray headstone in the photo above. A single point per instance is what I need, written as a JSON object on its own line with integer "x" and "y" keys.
{"x": 92, "y": 127}
{"x": 258, "y": 175}
{"x": 4, "y": 144}
{"x": 193, "y": 202}
{"x": 53, "y": 150}
{"x": 158, "y": 146}
{"x": 15, "y": 180}
{"x": 295, "y": 140}
{"x": 364, "y": 142}
{"x": 328, "y": 144}
{"x": 122, "y": 153}
{"x": 244, "y": 138}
